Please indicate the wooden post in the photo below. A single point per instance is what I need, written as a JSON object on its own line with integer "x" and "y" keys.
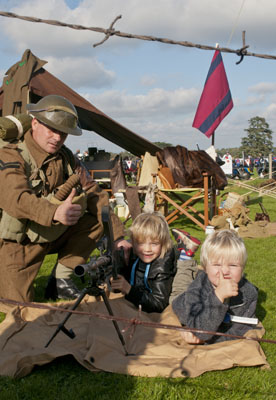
{"x": 270, "y": 165}
{"x": 206, "y": 202}
{"x": 213, "y": 139}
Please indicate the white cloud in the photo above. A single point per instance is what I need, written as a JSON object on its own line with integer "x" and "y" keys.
{"x": 270, "y": 112}
{"x": 199, "y": 21}
{"x": 263, "y": 87}
{"x": 148, "y": 80}
{"x": 157, "y": 103}
{"x": 165, "y": 112}
{"x": 2, "y": 73}
{"x": 81, "y": 72}
{"x": 253, "y": 100}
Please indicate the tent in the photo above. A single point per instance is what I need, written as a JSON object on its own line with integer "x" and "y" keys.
{"x": 27, "y": 81}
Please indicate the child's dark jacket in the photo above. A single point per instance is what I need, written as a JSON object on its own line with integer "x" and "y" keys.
{"x": 200, "y": 308}
{"x": 159, "y": 280}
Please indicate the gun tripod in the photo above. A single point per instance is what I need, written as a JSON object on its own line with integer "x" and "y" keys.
{"x": 99, "y": 272}
{"x": 93, "y": 290}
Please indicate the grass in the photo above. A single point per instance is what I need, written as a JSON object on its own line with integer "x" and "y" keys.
{"x": 66, "y": 379}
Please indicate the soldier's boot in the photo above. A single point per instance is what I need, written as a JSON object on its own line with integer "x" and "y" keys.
{"x": 60, "y": 286}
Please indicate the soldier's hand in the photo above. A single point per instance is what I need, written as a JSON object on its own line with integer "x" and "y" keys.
{"x": 68, "y": 213}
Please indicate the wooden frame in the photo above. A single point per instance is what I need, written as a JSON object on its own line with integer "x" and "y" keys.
{"x": 164, "y": 197}
{"x": 101, "y": 180}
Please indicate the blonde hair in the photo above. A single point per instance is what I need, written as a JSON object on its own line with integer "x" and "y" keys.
{"x": 153, "y": 226}
{"x": 222, "y": 245}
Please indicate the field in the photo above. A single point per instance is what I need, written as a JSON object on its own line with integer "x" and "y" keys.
{"x": 66, "y": 379}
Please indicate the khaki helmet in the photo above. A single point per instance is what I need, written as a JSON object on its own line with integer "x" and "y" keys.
{"x": 56, "y": 112}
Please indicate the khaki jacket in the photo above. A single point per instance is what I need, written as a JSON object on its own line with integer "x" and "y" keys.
{"x": 19, "y": 200}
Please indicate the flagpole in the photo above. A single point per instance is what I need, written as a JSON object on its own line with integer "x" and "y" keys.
{"x": 213, "y": 136}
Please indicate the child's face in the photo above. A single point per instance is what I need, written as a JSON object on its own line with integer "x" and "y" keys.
{"x": 231, "y": 269}
{"x": 147, "y": 250}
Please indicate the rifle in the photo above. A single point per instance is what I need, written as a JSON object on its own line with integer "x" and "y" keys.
{"x": 99, "y": 271}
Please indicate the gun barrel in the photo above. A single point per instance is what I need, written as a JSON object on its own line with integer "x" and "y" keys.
{"x": 81, "y": 269}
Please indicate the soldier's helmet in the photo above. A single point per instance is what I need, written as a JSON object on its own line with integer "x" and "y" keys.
{"x": 56, "y": 112}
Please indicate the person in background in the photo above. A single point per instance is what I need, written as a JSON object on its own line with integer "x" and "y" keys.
{"x": 251, "y": 164}
{"x": 262, "y": 166}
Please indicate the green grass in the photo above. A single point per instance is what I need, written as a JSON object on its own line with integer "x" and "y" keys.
{"x": 66, "y": 379}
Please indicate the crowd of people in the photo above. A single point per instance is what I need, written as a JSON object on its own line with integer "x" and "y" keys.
{"x": 53, "y": 207}
{"x": 244, "y": 167}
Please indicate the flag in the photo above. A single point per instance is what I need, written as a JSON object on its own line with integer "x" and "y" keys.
{"x": 216, "y": 100}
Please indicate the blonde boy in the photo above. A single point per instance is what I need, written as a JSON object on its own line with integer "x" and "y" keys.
{"x": 218, "y": 292}
{"x": 147, "y": 279}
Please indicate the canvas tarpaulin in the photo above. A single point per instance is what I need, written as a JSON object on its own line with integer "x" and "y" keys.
{"x": 152, "y": 351}
{"x": 28, "y": 77}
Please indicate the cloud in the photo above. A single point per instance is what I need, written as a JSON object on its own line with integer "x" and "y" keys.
{"x": 148, "y": 80}
{"x": 157, "y": 103}
{"x": 263, "y": 88}
{"x": 50, "y": 39}
{"x": 253, "y": 100}
{"x": 81, "y": 72}
{"x": 2, "y": 73}
{"x": 198, "y": 21}
{"x": 270, "y": 112}
{"x": 151, "y": 88}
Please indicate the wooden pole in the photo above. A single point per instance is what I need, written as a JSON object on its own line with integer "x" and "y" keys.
{"x": 213, "y": 139}
{"x": 270, "y": 165}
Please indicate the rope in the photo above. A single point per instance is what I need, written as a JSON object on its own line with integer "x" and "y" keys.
{"x": 235, "y": 24}
{"x": 131, "y": 322}
{"x": 261, "y": 191}
{"x": 110, "y": 32}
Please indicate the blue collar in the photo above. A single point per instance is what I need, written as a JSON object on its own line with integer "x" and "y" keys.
{"x": 132, "y": 276}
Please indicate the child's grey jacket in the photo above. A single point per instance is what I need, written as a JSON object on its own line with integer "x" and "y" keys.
{"x": 200, "y": 308}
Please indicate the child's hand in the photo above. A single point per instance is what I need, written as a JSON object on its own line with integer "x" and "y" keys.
{"x": 126, "y": 246}
{"x": 120, "y": 284}
{"x": 226, "y": 287}
{"x": 190, "y": 338}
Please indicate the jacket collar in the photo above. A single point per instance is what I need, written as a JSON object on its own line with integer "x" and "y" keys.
{"x": 39, "y": 155}
{"x": 159, "y": 265}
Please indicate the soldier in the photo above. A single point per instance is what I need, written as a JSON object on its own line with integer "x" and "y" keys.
{"x": 33, "y": 222}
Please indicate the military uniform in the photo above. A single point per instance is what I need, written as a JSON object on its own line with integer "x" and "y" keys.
{"x": 21, "y": 258}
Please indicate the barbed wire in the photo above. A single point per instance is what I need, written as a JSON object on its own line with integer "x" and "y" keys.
{"x": 112, "y": 32}
{"x": 133, "y": 322}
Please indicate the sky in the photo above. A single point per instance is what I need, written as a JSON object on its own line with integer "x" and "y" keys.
{"x": 152, "y": 88}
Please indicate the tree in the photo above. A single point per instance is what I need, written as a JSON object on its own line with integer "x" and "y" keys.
{"x": 163, "y": 144}
{"x": 234, "y": 151}
{"x": 259, "y": 138}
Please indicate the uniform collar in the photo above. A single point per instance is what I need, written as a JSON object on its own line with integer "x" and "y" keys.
{"x": 39, "y": 155}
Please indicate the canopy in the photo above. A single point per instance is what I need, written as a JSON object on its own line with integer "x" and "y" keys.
{"x": 27, "y": 81}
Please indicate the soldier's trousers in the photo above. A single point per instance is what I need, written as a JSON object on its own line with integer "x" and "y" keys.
{"x": 186, "y": 273}
{"x": 20, "y": 262}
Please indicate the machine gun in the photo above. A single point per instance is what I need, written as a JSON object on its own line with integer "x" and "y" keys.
{"x": 99, "y": 271}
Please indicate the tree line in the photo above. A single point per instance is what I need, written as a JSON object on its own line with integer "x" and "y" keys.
{"x": 257, "y": 141}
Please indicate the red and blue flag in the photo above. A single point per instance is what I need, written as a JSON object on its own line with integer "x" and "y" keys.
{"x": 216, "y": 100}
